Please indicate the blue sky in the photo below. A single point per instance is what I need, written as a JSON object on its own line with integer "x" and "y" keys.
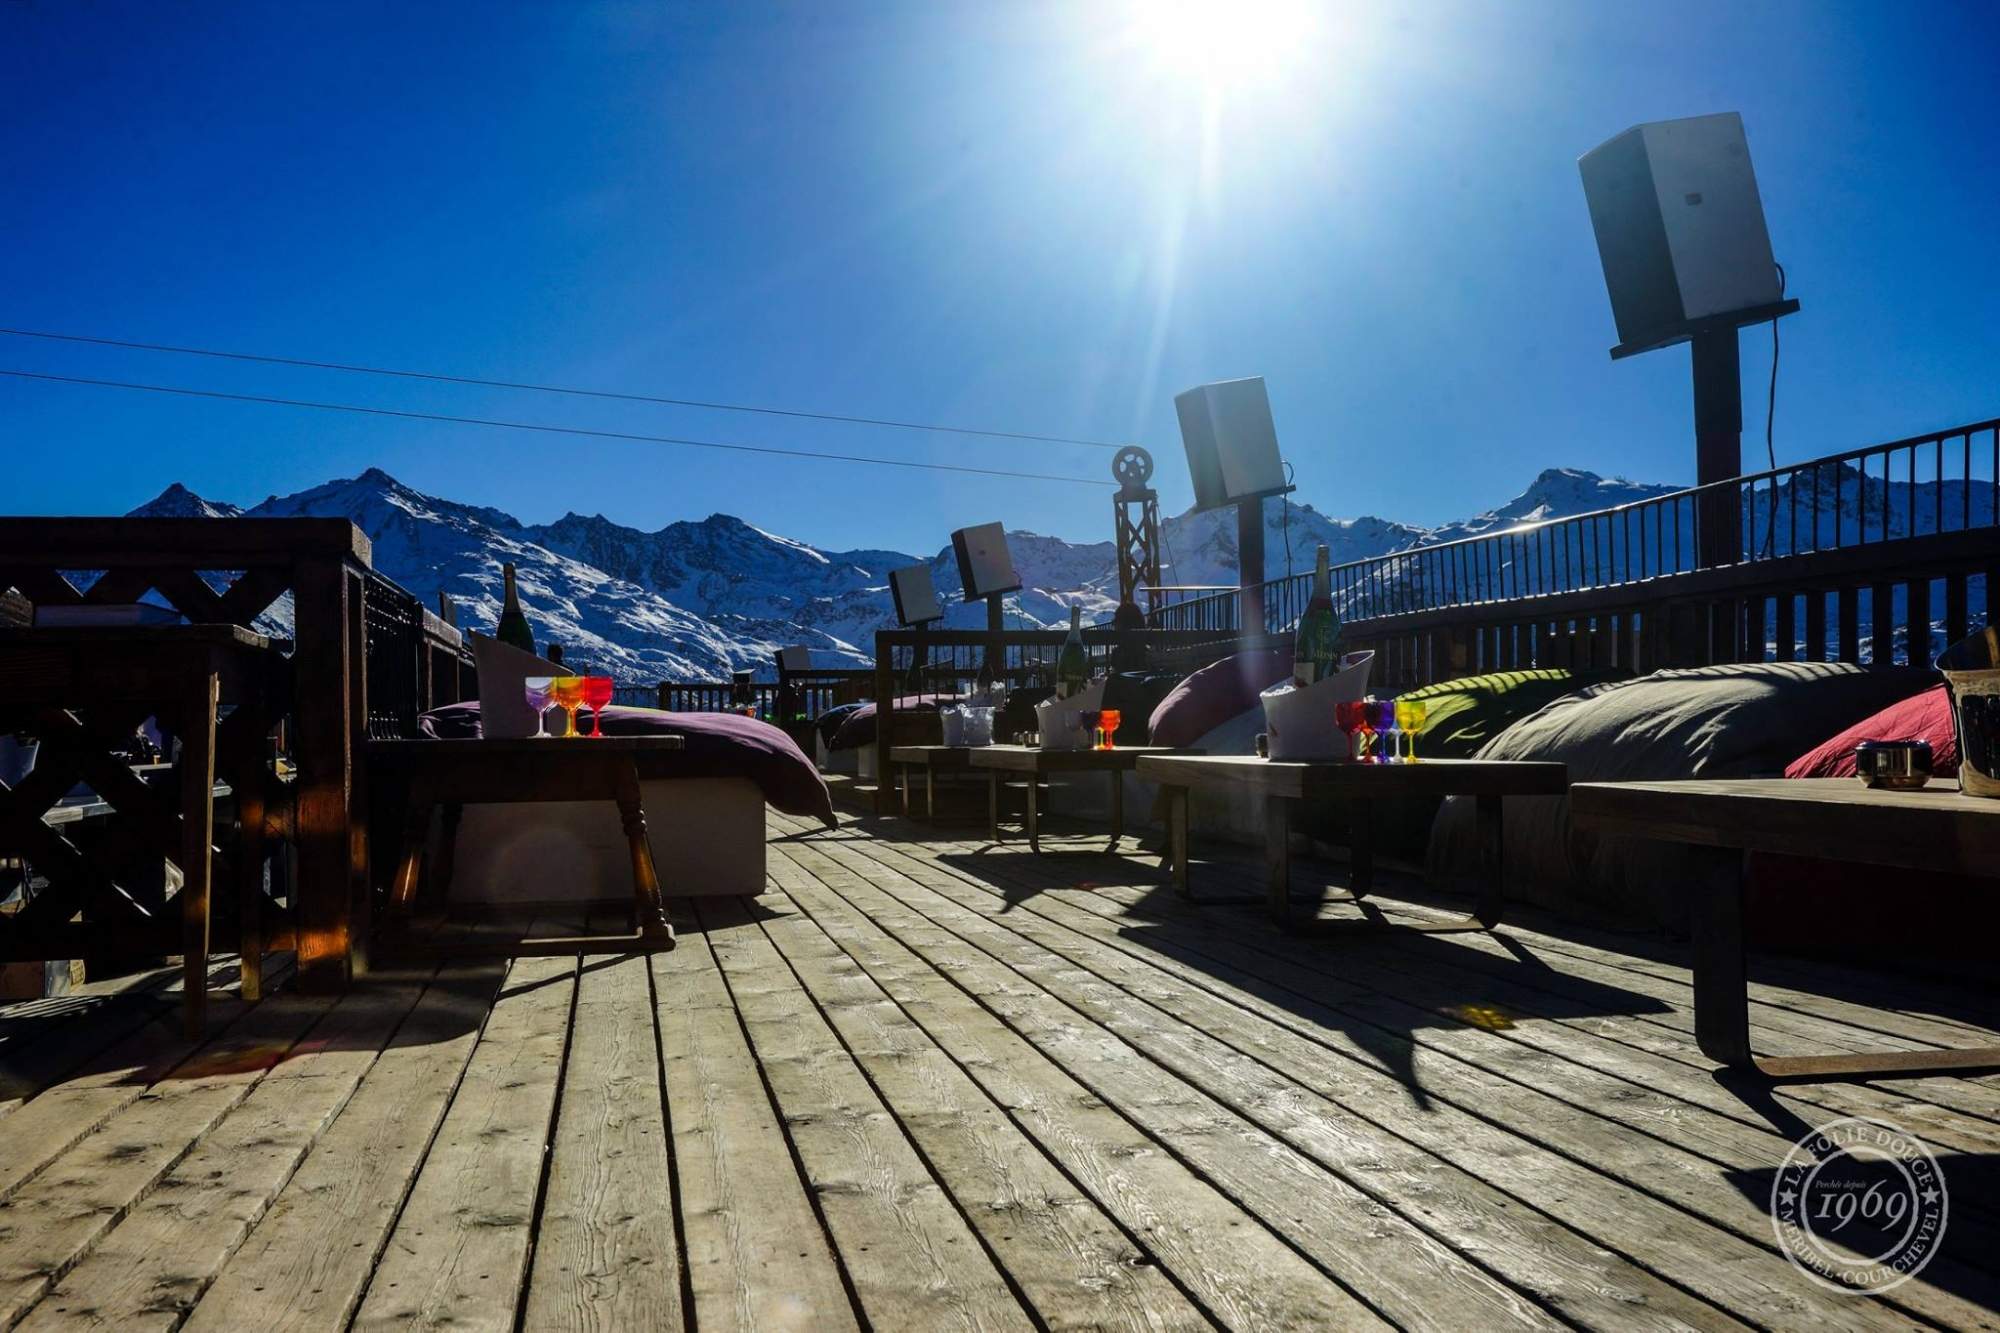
{"x": 1035, "y": 217}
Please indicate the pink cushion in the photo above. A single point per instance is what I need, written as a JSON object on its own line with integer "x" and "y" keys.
{"x": 1216, "y": 693}
{"x": 1924, "y": 717}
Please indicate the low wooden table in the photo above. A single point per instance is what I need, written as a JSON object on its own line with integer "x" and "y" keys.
{"x": 451, "y": 773}
{"x": 1936, "y": 829}
{"x": 1283, "y": 783}
{"x": 1037, "y": 763}
{"x": 933, "y": 759}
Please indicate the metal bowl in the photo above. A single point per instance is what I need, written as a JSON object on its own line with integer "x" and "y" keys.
{"x": 1893, "y": 765}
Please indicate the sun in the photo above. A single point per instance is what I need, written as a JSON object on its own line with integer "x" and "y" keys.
{"x": 1224, "y": 44}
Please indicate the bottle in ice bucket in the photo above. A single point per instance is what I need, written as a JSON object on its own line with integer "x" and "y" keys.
{"x": 513, "y": 627}
{"x": 1316, "y": 648}
{"x": 1072, "y": 667}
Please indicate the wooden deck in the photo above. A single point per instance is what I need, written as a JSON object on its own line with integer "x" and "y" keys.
{"x": 923, "y": 1085}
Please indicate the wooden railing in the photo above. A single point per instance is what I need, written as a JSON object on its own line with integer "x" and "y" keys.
{"x": 229, "y": 571}
{"x": 810, "y": 692}
{"x": 1849, "y": 557}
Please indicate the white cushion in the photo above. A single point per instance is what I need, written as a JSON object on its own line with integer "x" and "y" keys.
{"x": 503, "y": 703}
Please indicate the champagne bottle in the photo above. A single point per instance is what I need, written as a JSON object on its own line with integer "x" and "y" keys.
{"x": 1072, "y": 667}
{"x": 1315, "y": 649}
{"x": 513, "y": 628}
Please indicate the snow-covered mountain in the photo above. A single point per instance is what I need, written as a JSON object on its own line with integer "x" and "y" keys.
{"x": 695, "y": 600}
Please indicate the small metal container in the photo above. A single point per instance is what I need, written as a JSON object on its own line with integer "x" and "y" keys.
{"x": 1894, "y": 765}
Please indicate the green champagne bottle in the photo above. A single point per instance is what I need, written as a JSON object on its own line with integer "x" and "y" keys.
{"x": 1072, "y": 666}
{"x": 1316, "y": 648}
{"x": 513, "y": 628}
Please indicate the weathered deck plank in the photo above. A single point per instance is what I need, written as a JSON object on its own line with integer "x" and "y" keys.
{"x": 605, "y": 1254}
{"x": 757, "y": 1254}
{"x": 148, "y": 1270}
{"x": 306, "y": 1263}
{"x": 1076, "y": 1267}
{"x": 459, "y": 1252}
{"x": 1633, "y": 1196}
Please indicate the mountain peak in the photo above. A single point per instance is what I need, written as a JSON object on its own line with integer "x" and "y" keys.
{"x": 177, "y": 501}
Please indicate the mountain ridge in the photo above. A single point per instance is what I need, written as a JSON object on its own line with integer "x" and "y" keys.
{"x": 698, "y": 598}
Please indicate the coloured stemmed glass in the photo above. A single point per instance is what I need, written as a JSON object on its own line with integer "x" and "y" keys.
{"x": 567, "y": 691}
{"x": 1410, "y": 720}
{"x": 1350, "y": 716}
{"x": 1107, "y": 724}
{"x": 1382, "y": 720}
{"x": 536, "y": 690}
{"x": 597, "y": 691}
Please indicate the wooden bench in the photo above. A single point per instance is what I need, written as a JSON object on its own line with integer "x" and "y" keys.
{"x": 1937, "y": 829}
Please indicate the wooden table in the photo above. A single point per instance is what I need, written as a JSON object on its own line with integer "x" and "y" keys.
{"x": 1937, "y": 829}
{"x": 1037, "y": 763}
{"x": 83, "y": 692}
{"x": 451, "y": 773}
{"x": 1283, "y": 783}
{"x": 932, "y": 759}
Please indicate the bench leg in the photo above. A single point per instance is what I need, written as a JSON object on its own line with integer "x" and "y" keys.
{"x": 930, "y": 794}
{"x": 993, "y": 805}
{"x": 1492, "y": 902}
{"x": 1177, "y": 840}
{"x": 649, "y": 910}
{"x": 197, "y": 842}
{"x": 1722, "y": 996}
{"x": 1034, "y": 817}
{"x": 1117, "y": 809}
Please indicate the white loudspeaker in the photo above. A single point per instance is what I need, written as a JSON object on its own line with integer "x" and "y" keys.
{"x": 794, "y": 659}
{"x": 1232, "y": 446}
{"x": 984, "y": 565}
{"x": 1680, "y": 227}
{"x": 915, "y": 594}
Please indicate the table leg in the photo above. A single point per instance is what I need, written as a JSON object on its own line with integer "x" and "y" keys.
{"x": 416, "y": 830}
{"x": 903, "y": 785}
{"x": 1177, "y": 840}
{"x": 447, "y": 864}
{"x": 1034, "y": 830}
{"x": 930, "y": 793}
{"x": 1361, "y": 850}
{"x": 1492, "y": 901}
{"x": 993, "y": 805}
{"x": 649, "y": 910}
{"x": 1278, "y": 858}
{"x": 1117, "y": 809}
{"x": 197, "y": 841}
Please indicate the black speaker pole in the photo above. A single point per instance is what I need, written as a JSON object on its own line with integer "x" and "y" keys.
{"x": 996, "y": 625}
{"x": 1250, "y": 564}
{"x": 1718, "y": 446}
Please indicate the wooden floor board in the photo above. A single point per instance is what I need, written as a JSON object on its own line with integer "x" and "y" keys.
{"x": 149, "y": 1269}
{"x": 924, "y": 1082}
{"x": 458, "y": 1255}
{"x": 757, "y": 1253}
{"x": 1471, "y": 1115}
{"x": 305, "y": 1264}
{"x": 606, "y": 1256}
{"x": 1075, "y": 1266}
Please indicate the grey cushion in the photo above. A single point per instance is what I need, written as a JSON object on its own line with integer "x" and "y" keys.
{"x": 1735, "y": 721}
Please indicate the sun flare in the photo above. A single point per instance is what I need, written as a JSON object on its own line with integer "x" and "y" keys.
{"x": 1224, "y": 43}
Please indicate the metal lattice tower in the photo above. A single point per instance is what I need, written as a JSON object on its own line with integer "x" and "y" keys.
{"x": 1137, "y": 507}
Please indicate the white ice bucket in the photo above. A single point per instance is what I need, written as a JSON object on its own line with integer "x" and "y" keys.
{"x": 1060, "y": 722}
{"x": 1299, "y": 722}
